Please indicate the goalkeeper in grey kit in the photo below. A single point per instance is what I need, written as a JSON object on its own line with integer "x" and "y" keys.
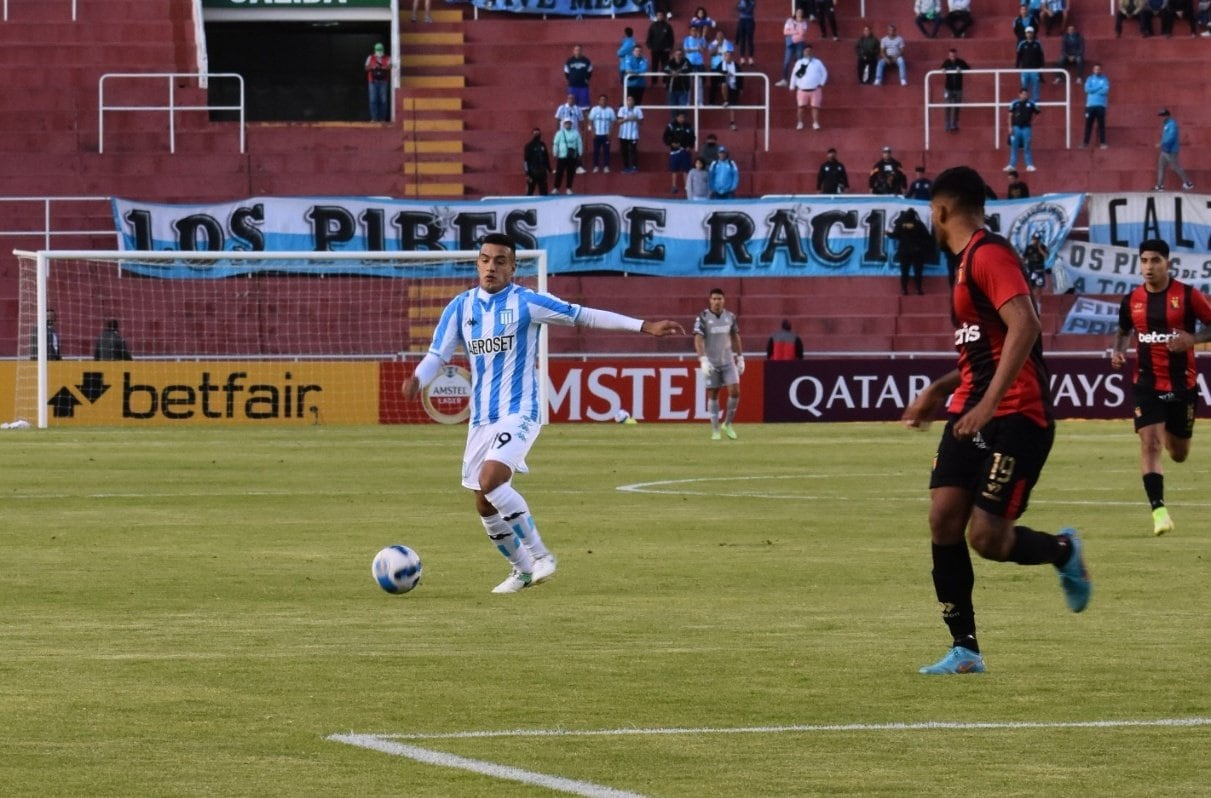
{"x": 721, "y": 359}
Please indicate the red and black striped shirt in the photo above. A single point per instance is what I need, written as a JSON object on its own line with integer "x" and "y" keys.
{"x": 989, "y": 275}
{"x": 1155, "y": 315}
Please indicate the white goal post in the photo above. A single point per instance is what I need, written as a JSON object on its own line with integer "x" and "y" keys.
{"x": 114, "y": 337}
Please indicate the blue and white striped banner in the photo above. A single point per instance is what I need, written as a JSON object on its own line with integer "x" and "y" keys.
{"x": 1124, "y": 220}
{"x": 775, "y": 237}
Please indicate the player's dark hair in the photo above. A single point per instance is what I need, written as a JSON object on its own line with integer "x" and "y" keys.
{"x": 962, "y": 185}
{"x": 718, "y": 291}
{"x": 500, "y": 239}
{"x": 1155, "y": 245}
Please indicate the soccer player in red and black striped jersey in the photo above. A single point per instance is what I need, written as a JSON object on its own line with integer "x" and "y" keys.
{"x": 999, "y": 429}
{"x": 1164, "y": 313}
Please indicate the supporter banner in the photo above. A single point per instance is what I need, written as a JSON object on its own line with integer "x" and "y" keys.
{"x": 290, "y": 5}
{"x": 1088, "y": 268}
{"x": 1124, "y": 220}
{"x": 1091, "y": 317}
{"x": 566, "y": 8}
{"x": 794, "y": 235}
{"x": 590, "y": 390}
{"x": 849, "y": 389}
{"x": 216, "y": 392}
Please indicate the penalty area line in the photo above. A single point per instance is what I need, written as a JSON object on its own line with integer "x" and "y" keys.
{"x": 430, "y": 757}
{"x": 930, "y": 725}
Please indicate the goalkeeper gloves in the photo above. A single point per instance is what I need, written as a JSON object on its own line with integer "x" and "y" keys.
{"x": 739, "y": 364}
{"x": 704, "y": 365}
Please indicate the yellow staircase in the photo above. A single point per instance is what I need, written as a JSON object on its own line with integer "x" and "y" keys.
{"x": 431, "y": 108}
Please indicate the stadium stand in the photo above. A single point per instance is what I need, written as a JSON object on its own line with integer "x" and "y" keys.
{"x": 473, "y": 88}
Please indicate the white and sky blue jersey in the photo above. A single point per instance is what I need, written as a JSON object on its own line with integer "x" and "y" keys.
{"x": 499, "y": 333}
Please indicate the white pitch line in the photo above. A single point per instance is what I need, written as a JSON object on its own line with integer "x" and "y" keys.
{"x": 930, "y": 725}
{"x": 428, "y": 757}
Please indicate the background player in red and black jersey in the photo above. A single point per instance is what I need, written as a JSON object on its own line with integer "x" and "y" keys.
{"x": 1000, "y": 427}
{"x": 1164, "y": 313}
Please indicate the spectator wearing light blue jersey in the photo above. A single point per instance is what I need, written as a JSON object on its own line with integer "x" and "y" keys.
{"x": 634, "y": 69}
{"x": 1097, "y": 94}
{"x": 601, "y": 117}
{"x": 497, "y": 325}
{"x": 723, "y": 176}
{"x": 1169, "y": 145}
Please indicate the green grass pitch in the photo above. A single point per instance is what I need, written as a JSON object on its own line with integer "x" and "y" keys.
{"x": 191, "y": 613}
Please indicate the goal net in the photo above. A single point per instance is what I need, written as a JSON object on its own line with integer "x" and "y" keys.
{"x": 237, "y": 337}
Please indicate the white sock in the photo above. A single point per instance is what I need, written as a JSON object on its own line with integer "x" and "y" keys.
{"x": 516, "y": 513}
{"x": 507, "y": 543}
{"x": 732, "y": 403}
{"x": 712, "y": 408}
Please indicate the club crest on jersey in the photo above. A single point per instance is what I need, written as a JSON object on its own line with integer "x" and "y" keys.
{"x": 1175, "y": 302}
{"x": 504, "y": 316}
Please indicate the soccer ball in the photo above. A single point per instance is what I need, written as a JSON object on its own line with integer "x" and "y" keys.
{"x": 397, "y": 569}
{"x": 622, "y": 417}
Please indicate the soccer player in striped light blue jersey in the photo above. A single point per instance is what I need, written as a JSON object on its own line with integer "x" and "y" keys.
{"x": 497, "y": 325}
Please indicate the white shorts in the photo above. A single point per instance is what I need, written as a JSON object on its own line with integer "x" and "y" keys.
{"x": 507, "y": 441}
{"x": 723, "y": 375}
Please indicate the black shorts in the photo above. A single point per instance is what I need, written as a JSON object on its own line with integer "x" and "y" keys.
{"x": 1174, "y": 409}
{"x": 999, "y": 466}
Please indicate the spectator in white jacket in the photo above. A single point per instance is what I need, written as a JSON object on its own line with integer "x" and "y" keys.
{"x": 807, "y": 81}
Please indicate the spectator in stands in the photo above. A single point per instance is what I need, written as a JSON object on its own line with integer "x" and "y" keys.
{"x": 1169, "y": 145}
{"x": 723, "y": 176}
{"x": 784, "y": 344}
{"x": 625, "y": 48}
{"x": 1178, "y": 10}
{"x": 826, "y": 13}
{"x": 416, "y": 5}
{"x": 53, "y": 351}
{"x": 832, "y": 178}
{"x": 1017, "y": 188}
{"x": 807, "y": 82}
{"x": 887, "y": 176}
{"x": 1072, "y": 53}
{"x": 695, "y": 46}
{"x": 732, "y": 83}
{"x": 1151, "y": 9}
{"x": 537, "y": 160}
{"x": 660, "y": 43}
{"x": 1030, "y": 57}
{"x": 710, "y": 150}
{"x": 578, "y": 70}
{"x": 1129, "y": 9}
{"x": 634, "y": 70}
{"x": 1021, "y": 117}
{"x": 1034, "y": 257}
{"x": 915, "y": 245}
{"x": 928, "y": 17}
{"x": 1097, "y": 92}
{"x": 110, "y": 343}
{"x": 702, "y": 22}
{"x": 958, "y": 17}
{"x": 629, "y": 118}
{"x": 716, "y": 48}
{"x": 920, "y": 187}
{"x": 891, "y": 51}
{"x": 569, "y": 111}
{"x": 746, "y": 26}
{"x": 697, "y": 182}
{"x": 679, "y": 137}
{"x": 568, "y": 149}
{"x": 953, "y": 88}
{"x": 601, "y": 119}
{"x": 867, "y": 48}
{"x": 378, "y": 76}
{"x": 1024, "y": 20}
{"x": 794, "y": 32}
{"x": 677, "y": 72}
{"x": 1203, "y": 16}
{"x": 1053, "y": 11}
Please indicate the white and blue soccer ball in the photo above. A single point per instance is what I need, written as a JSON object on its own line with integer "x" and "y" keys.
{"x": 622, "y": 417}
{"x": 397, "y": 569}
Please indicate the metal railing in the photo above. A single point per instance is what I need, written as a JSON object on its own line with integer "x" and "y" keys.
{"x": 697, "y": 105}
{"x": 172, "y": 108}
{"x": 48, "y": 233}
{"x": 73, "y": 10}
{"x": 997, "y": 104}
